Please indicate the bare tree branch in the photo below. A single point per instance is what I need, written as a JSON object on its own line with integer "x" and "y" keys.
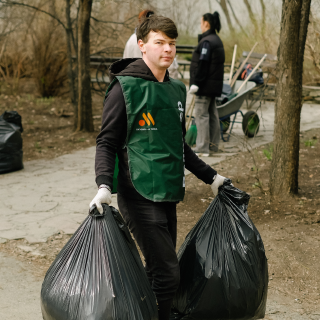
{"x": 304, "y": 26}
{"x": 251, "y": 14}
{"x": 14, "y": 3}
{"x": 3, "y": 34}
{"x": 263, "y": 7}
{"x": 223, "y": 5}
{"x": 70, "y": 38}
{"x": 313, "y": 57}
{"x": 97, "y": 20}
{"x": 114, "y": 22}
{"x": 236, "y": 18}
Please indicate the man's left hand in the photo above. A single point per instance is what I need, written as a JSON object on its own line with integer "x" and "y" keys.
{"x": 218, "y": 181}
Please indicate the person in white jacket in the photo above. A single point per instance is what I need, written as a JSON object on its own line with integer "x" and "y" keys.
{"x": 132, "y": 50}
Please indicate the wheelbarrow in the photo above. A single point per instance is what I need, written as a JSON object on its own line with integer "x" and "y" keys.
{"x": 250, "y": 120}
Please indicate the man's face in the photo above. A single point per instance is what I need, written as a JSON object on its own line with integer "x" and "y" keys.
{"x": 159, "y": 51}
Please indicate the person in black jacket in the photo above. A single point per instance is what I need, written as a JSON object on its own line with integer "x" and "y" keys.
{"x": 206, "y": 81}
{"x": 153, "y": 224}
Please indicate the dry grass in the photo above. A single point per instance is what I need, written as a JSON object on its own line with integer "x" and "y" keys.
{"x": 49, "y": 59}
{"x": 13, "y": 67}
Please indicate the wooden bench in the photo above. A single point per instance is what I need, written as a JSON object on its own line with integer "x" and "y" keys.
{"x": 270, "y": 61}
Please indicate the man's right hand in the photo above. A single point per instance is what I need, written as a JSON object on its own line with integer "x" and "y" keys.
{"x": 193, "y": 89}
{"x": 218, "y": 181}
{"x": 103, "y": 196}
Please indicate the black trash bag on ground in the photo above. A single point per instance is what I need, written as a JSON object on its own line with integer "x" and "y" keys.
{"x": 223, "y": 267}
{"x": 12, "y": 117}
{"x": 10, "y": 142}
{"x": 98, "y": 275}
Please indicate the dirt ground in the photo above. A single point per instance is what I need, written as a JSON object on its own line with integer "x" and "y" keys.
{"x": 48, "y": 125}
{"x": 290, "y": 226}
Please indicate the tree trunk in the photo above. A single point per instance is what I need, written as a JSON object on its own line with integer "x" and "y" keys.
{"x": 223, "y": 5}
{"x": 285, "y": 159}
{"x": 251, "y": 14}
{"x": 73, "y": 93}
{"x": 83, "y": 118}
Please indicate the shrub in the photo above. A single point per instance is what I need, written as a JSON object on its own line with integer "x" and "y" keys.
{"x": 13, "y": 67}
{"x": 49, "y": 60}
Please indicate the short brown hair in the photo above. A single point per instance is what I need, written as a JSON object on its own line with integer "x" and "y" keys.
{"x": 156, "y": 24}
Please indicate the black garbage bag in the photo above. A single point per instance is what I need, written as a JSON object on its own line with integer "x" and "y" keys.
{"x": 221, "y": 100}
{"x": 10, "y": 142}
{"x": 12, "y": 117}
{"x": 98, "y": 275}
{"x": 223, "y": 267}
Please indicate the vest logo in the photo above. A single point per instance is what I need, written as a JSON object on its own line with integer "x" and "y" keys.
{"x": 147, "y": 119}
{"x": 180, "y": 108}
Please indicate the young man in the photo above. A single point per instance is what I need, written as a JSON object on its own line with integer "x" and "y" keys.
{"x": 132, "y": 49}
{"x": 144, "y": 123}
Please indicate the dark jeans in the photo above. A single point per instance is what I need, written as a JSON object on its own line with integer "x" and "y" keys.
{"x": 154, "y": 227}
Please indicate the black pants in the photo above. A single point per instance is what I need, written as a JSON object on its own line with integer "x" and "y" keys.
{"x": 154, "y": 227}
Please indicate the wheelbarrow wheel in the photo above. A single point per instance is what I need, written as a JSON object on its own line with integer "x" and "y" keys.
{"x": 225, "y": 124}
{"x": 250, "y": 124}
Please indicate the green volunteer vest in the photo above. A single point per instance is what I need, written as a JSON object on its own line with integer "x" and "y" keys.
{"x": 154, "y": 140}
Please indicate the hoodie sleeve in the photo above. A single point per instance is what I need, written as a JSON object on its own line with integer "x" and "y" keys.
{"x": 112, "y": 135}
{"x": 194, "y": 164}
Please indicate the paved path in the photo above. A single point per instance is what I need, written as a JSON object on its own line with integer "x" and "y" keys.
{"x": 19, "y": 291}
{"x": 49, "y": 196}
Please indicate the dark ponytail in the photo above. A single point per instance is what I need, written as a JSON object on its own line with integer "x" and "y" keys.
{"x": 214, "y": 21}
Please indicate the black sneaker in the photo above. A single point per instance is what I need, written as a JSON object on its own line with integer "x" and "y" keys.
{"x": 213, "y": 147}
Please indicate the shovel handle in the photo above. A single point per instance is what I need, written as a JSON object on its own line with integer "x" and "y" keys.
{"x": 234, "y": 79}
{"x": 232, "y": 63}
{"x": 190, "y": 115}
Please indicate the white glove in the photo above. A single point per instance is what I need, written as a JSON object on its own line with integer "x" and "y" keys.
{"x": 193, "y": 89}
{"x": 218, "y": 181}
{"x": 103, "y": 196}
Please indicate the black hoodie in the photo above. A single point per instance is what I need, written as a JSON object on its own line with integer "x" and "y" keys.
{"x": 114, "y": 131}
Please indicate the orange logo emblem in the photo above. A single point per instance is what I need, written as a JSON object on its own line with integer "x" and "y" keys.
{"x": 147, "y": 119}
